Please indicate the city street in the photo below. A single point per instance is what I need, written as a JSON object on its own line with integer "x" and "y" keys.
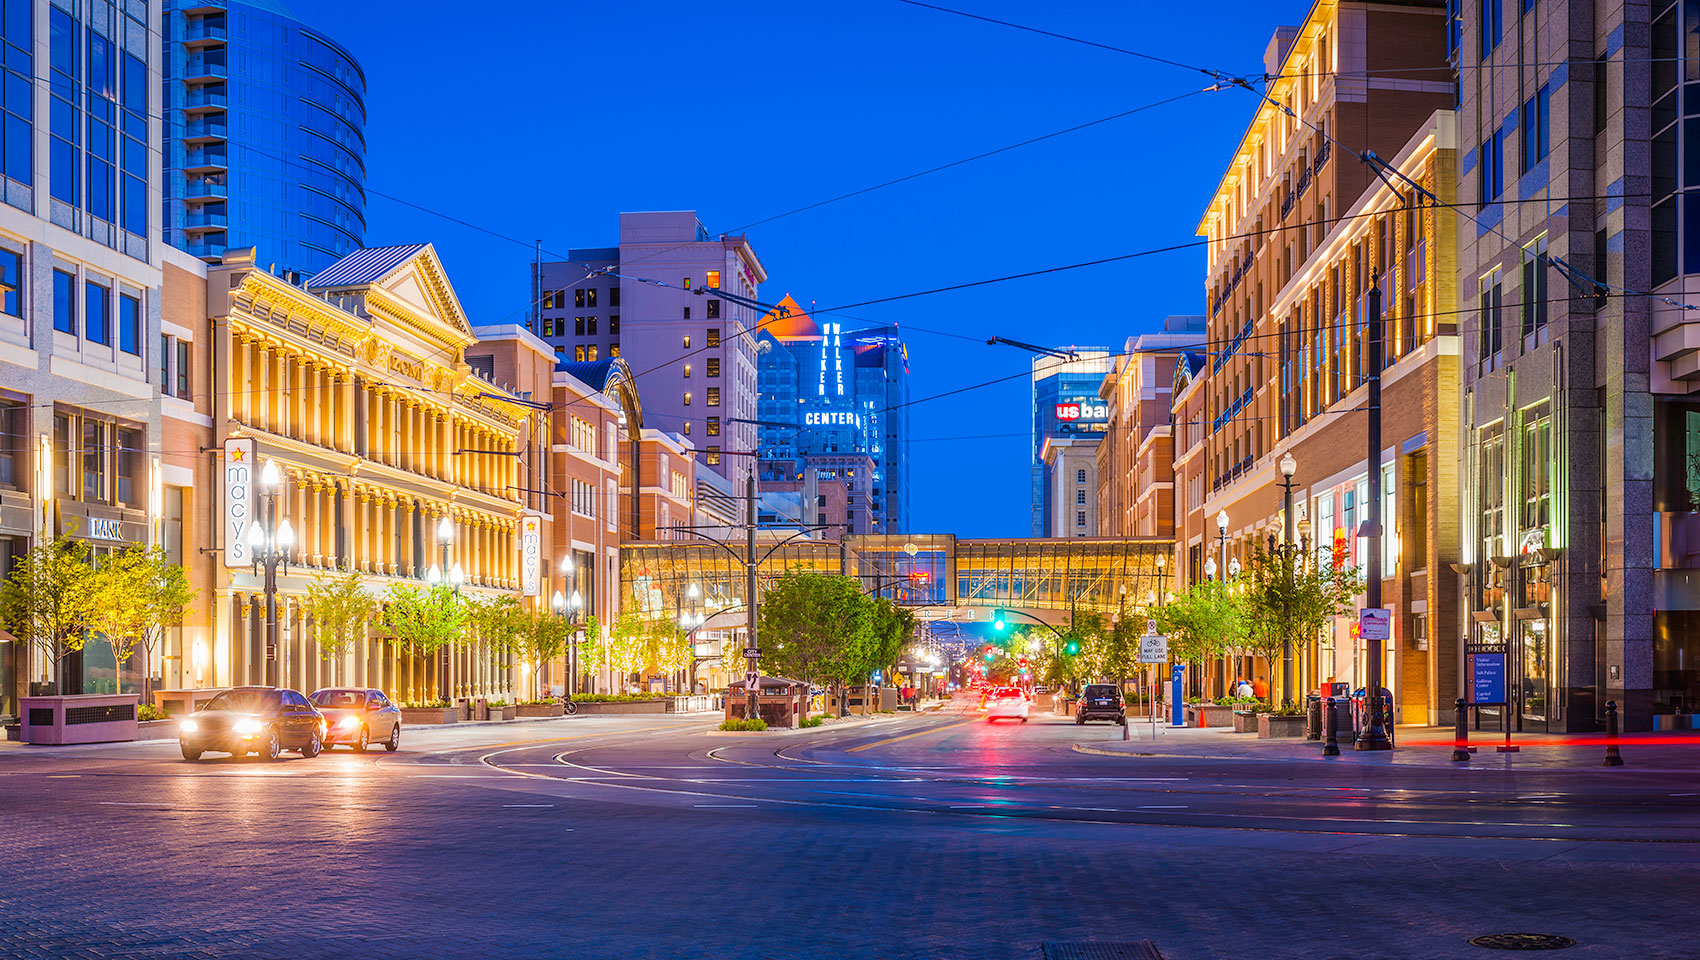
{"x": 916, "y": 836}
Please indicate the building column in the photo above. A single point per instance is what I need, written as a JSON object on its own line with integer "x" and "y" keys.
{"x": 241, "y": 399}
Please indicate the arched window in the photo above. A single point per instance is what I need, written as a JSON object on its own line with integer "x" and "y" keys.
{"x": 1080, "y": 476}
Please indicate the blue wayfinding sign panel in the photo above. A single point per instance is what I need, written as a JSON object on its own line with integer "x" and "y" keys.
{"x": 1177, "y": 672}
{"x": 1487, "y": 677}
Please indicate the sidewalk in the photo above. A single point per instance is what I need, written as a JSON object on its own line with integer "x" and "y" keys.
{"x": 1414, "y": 746}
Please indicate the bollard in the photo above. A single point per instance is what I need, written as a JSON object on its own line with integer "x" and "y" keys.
{"x": 1330, "y": 746}
{"x": 1461, "y": 739}
{"x": 1613, "y": 757}
{"x": 1313, "y": 717}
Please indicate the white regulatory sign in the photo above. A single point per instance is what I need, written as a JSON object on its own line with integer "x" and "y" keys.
{"x": 1375, "y": 623}
{"x": 1154, "y": 648}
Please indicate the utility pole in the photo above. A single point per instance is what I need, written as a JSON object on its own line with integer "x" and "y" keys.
{"x": 1374, "y": 736}
{"x": 752, "y": 653}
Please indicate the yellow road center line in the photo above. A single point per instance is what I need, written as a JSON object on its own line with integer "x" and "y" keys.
{"x": 922, "y": 733}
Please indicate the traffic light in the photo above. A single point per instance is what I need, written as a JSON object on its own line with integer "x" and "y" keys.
{"x": 1022, "y": 662}
{"x": 991, "y": 654}
{"x": 998, "y": 621}
{"x": 1072, "y": 647}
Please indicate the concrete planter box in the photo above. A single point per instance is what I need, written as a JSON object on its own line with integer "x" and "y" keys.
{"x": 156, "y": 730}
{"x": 84, "y": 718}
{"x": 1272, "y": 727}
{"x": 540, "y": 710}
{"x": 625, "y": 706}
{"x": 502, "y": 713}
{"x": 1211, "y": 715}
{"x": 412, "y": 716}
{"x": 1245, "y": 721}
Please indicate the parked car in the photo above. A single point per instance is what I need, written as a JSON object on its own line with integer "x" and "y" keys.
{"x": 1007, "y": 703}
{"x": 244, "y": 720}
{"x": 358, "y": 717}
{"x": 1100, "y": 701}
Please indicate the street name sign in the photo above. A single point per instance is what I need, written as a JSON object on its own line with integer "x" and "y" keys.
{"x": 1154, "y": 648}
{"x": 1375, "y": 623}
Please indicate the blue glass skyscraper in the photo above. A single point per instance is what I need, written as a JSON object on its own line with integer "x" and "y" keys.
{"x": 265, "y": 141}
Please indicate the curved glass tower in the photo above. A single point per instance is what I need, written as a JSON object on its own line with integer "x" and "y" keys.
{"x": 265, "y": 136}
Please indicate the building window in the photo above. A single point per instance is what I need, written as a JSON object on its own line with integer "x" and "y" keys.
{"x": 613, "y": 296}
{"x": 1490, "y": 26}
{"x": 714, "y": 396}
{"x": 713, "y": 456}
{"x": 548, "y": 326}
{"x": 1080, "y": 476}
{"x": 590, "y": 353}
{"x": 687, "y": 283}
{"x": 174, "y": 367}
{"x": 687, "y": 313}
{"x": 714, "y": 426}
{"x": 578, "y": 354}
{"x": 714, "y": 336}
{"x": 11, "y": 283}
{"x": 1489, "y": 313}
{"x": 97, "y": 441}
{"x": 13, "y": 458}
{"x": 96, "y": 322}
{"x": 687, "y": 398}
{"x": 1080, "y": 496}
{"x": 1080, "y": 518}
{"x": 578, "y": 326}
{"x": 129, "y": 458}
{"x": 64, "y": 302}
{"x": 614, "y": 351}
{"x": 590, "y": 297}
{"x": 614, "y": 325}
{"x": 1490, "y": 163}
{"x": 687, "y": 371}
{"x": 1535, "y": 266}
{"x": 578, "y": 299}
{"x": 714, "y": 279}
{"x": 687, "y": 343}
{"x": 687, "y": 428}
{"x": 1537, "y": 128}
{"x": 713, "y": 366}
{"x": 714, "y": 309}
{"x": 590, "y": 326}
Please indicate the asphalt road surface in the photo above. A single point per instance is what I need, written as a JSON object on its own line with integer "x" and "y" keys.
{"x": 924, "y": 836}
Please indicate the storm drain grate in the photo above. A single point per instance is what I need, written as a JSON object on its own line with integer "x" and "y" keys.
{"x": 1127, "y": 950}
{"x": 1523, "y": 941}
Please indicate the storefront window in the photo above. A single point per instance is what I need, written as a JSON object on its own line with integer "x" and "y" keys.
{"x": 96, "y": 480}
{"x": 1537, "y": 467}
{"x": 129, "y": 457}
{"x": 13, "y": 463}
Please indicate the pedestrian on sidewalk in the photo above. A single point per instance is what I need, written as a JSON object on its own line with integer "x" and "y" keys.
{"x": 1242, "y": 688}
{"x": 1260, "y": 688}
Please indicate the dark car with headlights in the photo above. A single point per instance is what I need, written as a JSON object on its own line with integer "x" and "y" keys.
{"x": 359, "y": 717}
{"x": 1100, "y": 701}
{"x": 244, "y": 720}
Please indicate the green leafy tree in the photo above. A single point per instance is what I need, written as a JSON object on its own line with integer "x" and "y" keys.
{"x": 425, "y": 620}
{"x": 535, "y": 637}
{"x": 46, "y": 601}
{"x": 1118, "y": 655}
{"x": 339, "y": 608}
{"x": 624, "y": 649}
{"x": 1203, "y": 621}
{"x": 1290, "y": 599}
{"x": 819, "y": 628}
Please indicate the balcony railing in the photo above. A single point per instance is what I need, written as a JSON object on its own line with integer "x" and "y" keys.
{"x": 206, "y": 159}
{"x": 205, "y": 68}
{"x": 206, "y": 221}
{"x": 199, "y": 189}
{"x": 208, "y": 129}
{"x": 204, "y": 97}
{"x": 205, "y": 28}
{"x": 207, "y": 250}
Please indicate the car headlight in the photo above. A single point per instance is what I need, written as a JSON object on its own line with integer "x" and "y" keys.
{"x": 348, "y": 723}
{"x": 246, "y": 726}
{"x": 187, "y": 726}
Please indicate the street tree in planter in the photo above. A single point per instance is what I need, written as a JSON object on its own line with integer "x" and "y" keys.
{"x": 1118, "y": 652}
{"x": 339, "y": 608}
{"x": 817, "y": 628}
{"x": 539, "y": 637}
{"x": 1204, "y": 621}
{"x": 625, "y": 649}
{"x": 45, "y": 602}
{"x": 1290, "y": 598}
{"x": 134, "y": 596}
{"x": 425, "y": 620}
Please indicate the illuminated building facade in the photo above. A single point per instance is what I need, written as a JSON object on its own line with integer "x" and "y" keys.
{"x": 1298, "y": 233}
{"x": 1135, "y": 460}
{"x": 1069, "y": 418}
{"x": 828, "y": 396}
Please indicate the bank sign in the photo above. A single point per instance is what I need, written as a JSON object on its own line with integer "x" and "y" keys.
{"x": 238, "y": 500}
{"x": 1082, "y": 415}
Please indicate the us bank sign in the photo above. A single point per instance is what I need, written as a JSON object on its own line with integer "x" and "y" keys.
{"x": 238, "y": 500}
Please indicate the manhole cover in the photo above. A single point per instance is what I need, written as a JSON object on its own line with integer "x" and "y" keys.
{"x": 1523, "y": 941}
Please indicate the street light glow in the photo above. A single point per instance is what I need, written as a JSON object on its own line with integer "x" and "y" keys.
{"x": 457, "y": 576}
{"x": 1222, "y": 521}
{"x": 1289, "y": 466}
{"x": 285, "y": 536}
{"x": 434, "y": 575}
{"x": 270, "y": 475}
{"x": 446, "y": 531}
{"x": 558, "y": 602}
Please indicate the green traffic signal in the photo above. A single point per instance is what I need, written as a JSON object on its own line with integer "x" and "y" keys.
{"x": 998, "y": 620}
{"x": 1072, "y": 647}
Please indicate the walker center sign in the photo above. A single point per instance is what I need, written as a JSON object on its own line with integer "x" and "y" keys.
{"x": 238, "y": 500}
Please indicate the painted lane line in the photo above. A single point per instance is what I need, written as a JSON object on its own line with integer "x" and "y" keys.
{"x": 1162, "y": 806}
{"x": 64, "y": 776}
{"x": 921, "y": 733}
{"x": 740, "y": 805}
{"x": 131, "y": 803}
{"x": 527, "y": 806}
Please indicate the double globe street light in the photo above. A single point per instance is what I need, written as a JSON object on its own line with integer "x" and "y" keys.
{"x": 269, "y": 543}
{"x": 456, "y": 578}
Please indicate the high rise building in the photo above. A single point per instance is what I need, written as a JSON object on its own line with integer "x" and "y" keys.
{"x": 265, "y": 143}
{"x": 1069, "y": 419}
{"x": 80, "y": 327}
{"x": 828, "y": 393}
{"x": 681, "y": 298}
{"x": 1135, "y": 460}
{"x": 1580, "y": 177}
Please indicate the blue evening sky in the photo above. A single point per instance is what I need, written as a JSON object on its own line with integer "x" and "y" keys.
{"x": 544, "y": 120}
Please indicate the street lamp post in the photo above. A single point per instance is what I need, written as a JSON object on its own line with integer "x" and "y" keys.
{"x": 1374, "y": 736}
{"x": 1289, "y": 466}
{"x": 457, "y": 577}
{"x": 269, "y": 542}
{"x": 569, "y": 684}
{"x": 1222, "y": 540}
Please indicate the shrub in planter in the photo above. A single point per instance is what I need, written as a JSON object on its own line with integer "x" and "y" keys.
{"x": 813, "y": 721}
{"x": 540, "y": 708}
{"x": 754, "y": 725}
